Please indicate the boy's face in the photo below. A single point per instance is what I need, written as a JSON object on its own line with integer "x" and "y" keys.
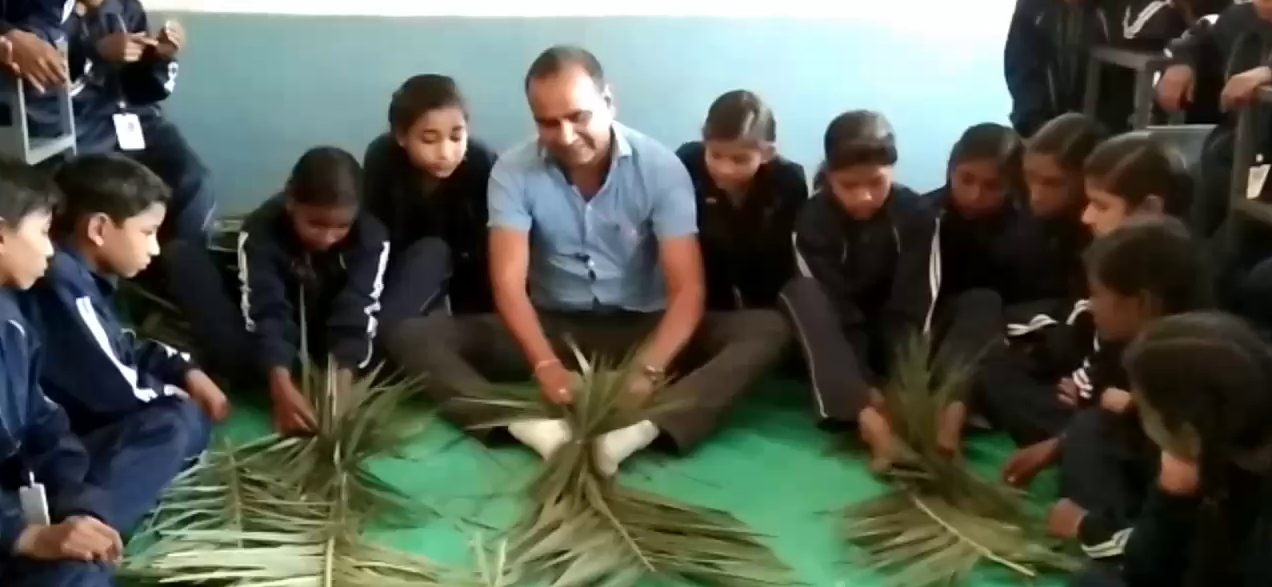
{"x": 978, "y": 188}
{"x": 320, "y": 227}
{"x": 573, "y": 116}
{"x": 1105, "y": 211}
{"x": 437, "y": 142}
{"x": 1051, "y": 190}
{"x": 126, "y": 248}
{"x": 732, "y": 164}
{"x": 861, "y": 189}
{"x": 25, "y": 249}
{"x": 1117, "y": 317}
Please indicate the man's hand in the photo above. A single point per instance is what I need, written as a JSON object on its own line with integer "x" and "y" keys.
{"x": 293, "y": 414}
{"x": 1240, "y": 89}
{"x": 1177, "y": 476}
{"x": 1116, "y": 400}
{"x": 124, "y": 47}
{"x": 555, "y": 381}
{"x": 1025, "y": 463}
{"x": 1065, "y": 519}
{"x": 78, "y": 538}
{"x": 207, "y": 395}
{"x": 38, "y": 62}
{"x": 171, "y": 39}
{"x": 1176, "y": 88}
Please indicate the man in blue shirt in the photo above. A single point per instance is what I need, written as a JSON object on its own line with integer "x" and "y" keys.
{"x": 593, "y": 233}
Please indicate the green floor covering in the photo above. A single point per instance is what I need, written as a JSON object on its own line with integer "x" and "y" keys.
{"x": 768, "y": 465}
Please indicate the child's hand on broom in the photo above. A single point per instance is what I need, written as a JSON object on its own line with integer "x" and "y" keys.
{"x": 1178, "y": 476}
{"x": 293, "y": 414}
{"x": 207, "y": 395}
{"x": 1025, "y": 463}
{"x": 876, "y": 432}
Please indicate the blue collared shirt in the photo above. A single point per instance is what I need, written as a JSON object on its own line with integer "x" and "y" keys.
{"x": 598, "y": 254}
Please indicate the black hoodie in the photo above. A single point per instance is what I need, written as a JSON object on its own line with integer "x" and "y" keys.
{"x": 746, "y": 250}
{"x": 454, "y": 211}
{"x": 878, "y": 272}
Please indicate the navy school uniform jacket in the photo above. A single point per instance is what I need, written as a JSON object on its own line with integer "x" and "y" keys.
{"x": 35, "y": 438}
{"x": 1046, "y": 274}
{"x": 454, "y": 211}
{"x": 879, "y": 272}
{"x": 100, "y": 89}
{"x": 341, "y": 289}
{"x": 97, "y": 370}
{"x": 971, "y": 253}
{"x": 1160, "y": 547}
{"x": 1045, "y": 58}
{"x": 747, "y": 251}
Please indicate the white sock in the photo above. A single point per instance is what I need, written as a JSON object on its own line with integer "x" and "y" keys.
{"x": 614, "y": 447}
{"x": 544, "y": 436}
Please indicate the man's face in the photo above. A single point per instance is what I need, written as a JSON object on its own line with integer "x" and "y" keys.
{"x": 573, "y": 116}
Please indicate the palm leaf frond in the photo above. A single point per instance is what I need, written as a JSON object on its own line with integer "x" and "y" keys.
{"x": 585, "y": 529}
{"x": 938, "y": 521}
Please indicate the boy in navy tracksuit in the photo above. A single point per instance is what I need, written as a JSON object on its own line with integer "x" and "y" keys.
{"x": 866, "y": 282}
{"x": 120, "y": 73}
{"x": 68, "y": 538}
{"x": 312, "y": 247}
{"x": 123, "y": 396}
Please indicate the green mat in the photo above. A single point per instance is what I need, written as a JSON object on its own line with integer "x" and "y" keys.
{"x": 768, "y": 465}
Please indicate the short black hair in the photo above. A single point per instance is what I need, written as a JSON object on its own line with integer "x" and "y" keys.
{"x": 859, "y": 137}
{"x": 1070, "y": 138}
{"x": 558, "y": 57}
{"x": 419, "y": 95}
{"x": 740, "y": 115}
{"x": 1136, "y": 165}
{"x": 1154, "y": 256}
{"x": 326, "y": 176}
{"x": 25, "y": 190}
{"x": 108, "y": 184}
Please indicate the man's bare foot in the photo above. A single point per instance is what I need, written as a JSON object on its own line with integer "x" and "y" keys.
{"x": 949, "y": 430}
{"x": 876, "y": 432}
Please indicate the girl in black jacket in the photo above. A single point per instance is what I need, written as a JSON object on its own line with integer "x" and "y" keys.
{"x": 426, "y": 181}
{"x": 1203, "y": 386}
{"x": 866, "y": 283}
{"x": 748, "y": 197}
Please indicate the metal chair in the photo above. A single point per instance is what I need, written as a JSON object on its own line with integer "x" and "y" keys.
{"x": 16, "y": 141}
{"x": 1146, "y": 64}
{"x": 1251, "y": 129}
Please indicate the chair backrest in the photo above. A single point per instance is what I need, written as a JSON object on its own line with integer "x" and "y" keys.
{"x": 16, "y": 141}
{"x": 1189, "y": 139}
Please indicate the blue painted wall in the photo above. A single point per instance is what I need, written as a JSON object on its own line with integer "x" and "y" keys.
{"x": 257, "y": 90}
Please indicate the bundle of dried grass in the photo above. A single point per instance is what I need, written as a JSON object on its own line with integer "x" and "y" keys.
{"x": 289, "y": 511}
{"x": 939, "y": 521}
{"x": 584, "y": 529}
